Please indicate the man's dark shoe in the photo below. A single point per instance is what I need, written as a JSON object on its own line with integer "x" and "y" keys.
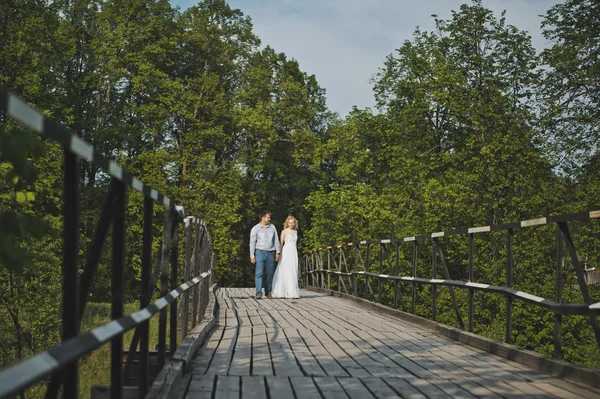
{"x": 270, "y": 297}
{"x": 259, "y": 296}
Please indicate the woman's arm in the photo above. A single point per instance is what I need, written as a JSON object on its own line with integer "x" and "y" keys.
{"x": 282, "y": 240}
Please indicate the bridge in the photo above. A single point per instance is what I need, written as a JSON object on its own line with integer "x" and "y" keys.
{"x": 355, "y": 331}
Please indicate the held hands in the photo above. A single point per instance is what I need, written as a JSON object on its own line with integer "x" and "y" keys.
{"x": 253, "y": 260}
{"x": 276, "y": 257}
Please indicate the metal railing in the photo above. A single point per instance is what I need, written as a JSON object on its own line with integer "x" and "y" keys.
{"x": 352, "y": 265}
{"x": 61, "y": 361}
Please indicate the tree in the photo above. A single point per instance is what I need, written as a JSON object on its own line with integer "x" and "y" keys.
{"x": 570, "y": 91}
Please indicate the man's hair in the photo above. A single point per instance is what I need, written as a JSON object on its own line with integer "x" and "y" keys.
{"x": 264, "y": 213}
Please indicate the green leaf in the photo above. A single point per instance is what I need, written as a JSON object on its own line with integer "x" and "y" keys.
{"x": 21, "y": 197}
{"x": 30, "y": 196}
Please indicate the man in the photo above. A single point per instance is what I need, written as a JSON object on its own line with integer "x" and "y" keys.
{"x": 264, "y": 252}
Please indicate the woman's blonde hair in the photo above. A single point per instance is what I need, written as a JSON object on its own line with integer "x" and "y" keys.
{"x": 286, "y": 224}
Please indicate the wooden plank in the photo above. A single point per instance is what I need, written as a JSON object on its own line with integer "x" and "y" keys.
{"x": 222, "y": 357}
{"x": 555, "y": 390}
{"x": 379, "y": 388}
{"x": 330, "y": 388}
{"x": 253, "y": 387}
{"x": 295, "y": 323}
{"x": 354, "y": 388}
{"x": 201, "y": 387}
{"x": 307, "y": 361}
{"x": 372, "y": 351}
{"x": 476, "y": 389}
{"x": 402, "y": 387}
{"x": 242, "y": 357}
{"x": 453, "y": 390}
{"x": 583, "y": 391}
{"x": 416, "y": 357}
{"x": 427, "y": 387}
{"x": 280, "y": 320}
{"x": 202, "y": 360}
{"x": 243, "y": 318}
{"x": 409, "y": 367}
{"x": 356, "y": 353}
{"x": 183, "y": 386}
{"x": 228, "y": 387}
{"x": 280, "y": 387}
{"x": 304, "y": 387}
{"x": 282, "y": 355}
{"x": 327, "y": 362}
{"x": 255, "y": 318}
{"x": 345, "y": 360}
{"x": 261, "y": 358}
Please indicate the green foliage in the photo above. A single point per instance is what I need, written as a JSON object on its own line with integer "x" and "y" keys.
{"x": 468, "y": 132}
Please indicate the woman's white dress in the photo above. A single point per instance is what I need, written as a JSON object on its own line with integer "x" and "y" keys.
{"x": 285, "y": 279}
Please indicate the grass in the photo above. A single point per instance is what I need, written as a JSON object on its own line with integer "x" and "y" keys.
{"x": 94, "y": 369}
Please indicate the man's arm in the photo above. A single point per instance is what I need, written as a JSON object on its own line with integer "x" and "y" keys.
{"x": 277, "y": 245}
{"x": 252, "y": 244}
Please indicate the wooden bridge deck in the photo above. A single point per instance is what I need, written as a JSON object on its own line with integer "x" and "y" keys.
{"x": 324, "y": 346}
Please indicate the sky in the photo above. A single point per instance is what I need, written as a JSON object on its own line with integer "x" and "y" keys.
{"x": 344, "y": 42}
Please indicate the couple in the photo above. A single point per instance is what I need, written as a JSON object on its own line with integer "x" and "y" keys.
{"x": 265, "y": 251}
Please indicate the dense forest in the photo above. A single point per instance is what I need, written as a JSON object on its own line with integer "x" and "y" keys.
{"x": 472, "y": 127}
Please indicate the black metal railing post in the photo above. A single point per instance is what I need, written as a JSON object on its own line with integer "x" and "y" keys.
{"x": 145, "y": 295}
{"x": 70, "y": 377}
{"x": 118, "y": 289}
{"x": 188, "y": 224}
{"x": 471, "y": 278}
{"x": 450, "y": 288}
{"x": 580, "y": 277}
{"x": 434, "y": 276}
{"x": 174, "y": 269}
{"x": 509, "y": 284}
{"x": 367, "y": 263}
{"x": 414, "y": 275}
{"x": 379, "y": 282}
{"x": 396, "y": 274}
{"x": 558, "y": 293}
{"x": 164, "y": 285}
{"x": 329, "y": 268}
{"x": 356, "y": 269}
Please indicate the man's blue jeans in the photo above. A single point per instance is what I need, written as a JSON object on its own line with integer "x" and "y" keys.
{"x": 264, "y": 259}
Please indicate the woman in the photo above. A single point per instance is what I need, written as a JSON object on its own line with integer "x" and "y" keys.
{"x": 285, "y": 279}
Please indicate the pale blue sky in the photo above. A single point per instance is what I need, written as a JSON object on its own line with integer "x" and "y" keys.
{"x": 344, "y": 42}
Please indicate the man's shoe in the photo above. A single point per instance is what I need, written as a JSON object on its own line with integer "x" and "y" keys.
{"x": 259, "y": 296}
{"x": 270, "y": 297}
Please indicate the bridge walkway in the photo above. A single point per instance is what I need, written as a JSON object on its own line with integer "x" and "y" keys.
{"x": 329, "y": 347}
